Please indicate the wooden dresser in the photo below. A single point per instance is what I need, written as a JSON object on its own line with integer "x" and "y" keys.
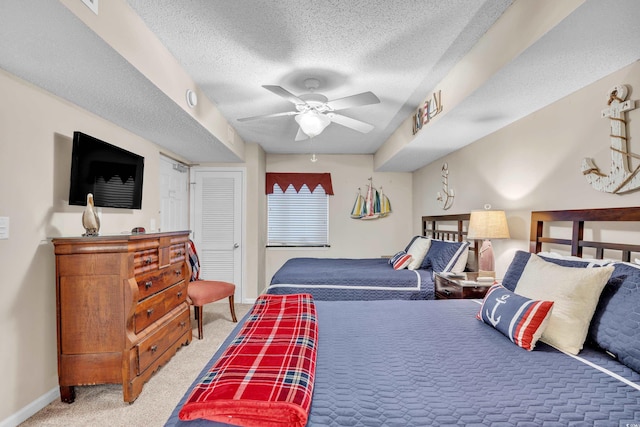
{"x": 122, "y": 308}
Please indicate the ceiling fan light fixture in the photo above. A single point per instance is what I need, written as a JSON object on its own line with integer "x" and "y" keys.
{"x": 312, "y": 123}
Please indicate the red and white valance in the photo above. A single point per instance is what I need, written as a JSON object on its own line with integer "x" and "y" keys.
{"x": 312, "y": 180}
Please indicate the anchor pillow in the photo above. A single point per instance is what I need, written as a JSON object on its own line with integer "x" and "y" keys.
{"x": 520, "y": 319}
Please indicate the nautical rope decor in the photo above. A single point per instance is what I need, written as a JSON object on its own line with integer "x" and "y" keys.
{"x": 622, "y": 178}
{"x": 445, "y": 199}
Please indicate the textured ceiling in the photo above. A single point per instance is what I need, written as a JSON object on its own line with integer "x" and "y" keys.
{"x": 398, "y": 49}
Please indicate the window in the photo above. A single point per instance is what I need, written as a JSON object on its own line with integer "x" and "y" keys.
{"x": 298, "y": 218}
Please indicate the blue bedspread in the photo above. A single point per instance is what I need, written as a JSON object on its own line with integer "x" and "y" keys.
{"x": 431, "y": 363}
{"x": 339, "y": 279}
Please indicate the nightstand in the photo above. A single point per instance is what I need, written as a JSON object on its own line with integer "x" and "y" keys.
{"x": 459, "y": 287}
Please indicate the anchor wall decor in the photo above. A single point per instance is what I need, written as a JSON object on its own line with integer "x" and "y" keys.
{"x": 622, "y": 178}
{"x": 445, "y": 199}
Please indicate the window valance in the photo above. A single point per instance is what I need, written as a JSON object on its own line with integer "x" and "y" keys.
{"x": 284, "y": 179}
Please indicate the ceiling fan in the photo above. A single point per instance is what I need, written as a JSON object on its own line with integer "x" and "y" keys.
{"x": 314, "y": 112}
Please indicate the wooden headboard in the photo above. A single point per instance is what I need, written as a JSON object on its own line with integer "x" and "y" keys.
{"x": 577, "y": 218}
{"x": 431, "y": 224}
{"x": 448, "y": 227}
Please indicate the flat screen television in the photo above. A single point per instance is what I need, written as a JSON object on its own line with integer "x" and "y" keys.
{"x": 113, "y": 175}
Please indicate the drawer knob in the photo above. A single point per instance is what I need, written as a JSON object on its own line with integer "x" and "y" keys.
{"x": 148, "y": 260}
{"x": 447, "y": 292}
{"x": 183, "y": 324}
{"x": 153, "y": 348}
{"x": 150, "y": 312}
{"x": 148, "y": 284}
{"x": 179, "y": 294}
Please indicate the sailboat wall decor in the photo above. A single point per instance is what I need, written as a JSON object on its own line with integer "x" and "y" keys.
{"x": 373, "y": 205}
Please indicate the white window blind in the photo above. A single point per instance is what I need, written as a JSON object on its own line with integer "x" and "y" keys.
{"x": 298, "y": 218}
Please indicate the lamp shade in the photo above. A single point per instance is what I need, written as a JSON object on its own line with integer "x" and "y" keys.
{"x": 488, "y": 225}
{"x": 312, "y": 123}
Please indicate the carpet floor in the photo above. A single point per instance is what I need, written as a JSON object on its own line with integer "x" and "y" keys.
{"x": 102, "y": 405}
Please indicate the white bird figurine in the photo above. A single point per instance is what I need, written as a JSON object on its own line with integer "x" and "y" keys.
{"x": 90, "y": 219}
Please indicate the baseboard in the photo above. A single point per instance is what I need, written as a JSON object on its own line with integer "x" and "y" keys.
{"x": 249, "y": 300}
{"x": 31, "y": 409}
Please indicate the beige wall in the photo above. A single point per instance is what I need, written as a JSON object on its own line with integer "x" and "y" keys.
{"x": 36, "y": 131}
{"x": 535, "y": 164}
{"x": 350, "y": 238}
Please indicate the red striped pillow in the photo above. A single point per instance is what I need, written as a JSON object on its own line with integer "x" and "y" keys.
{"x": 402, "y": 261}
{"x": 521, "y": 319}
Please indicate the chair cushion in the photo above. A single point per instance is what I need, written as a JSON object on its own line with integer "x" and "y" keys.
{"x": 203, "y": 292}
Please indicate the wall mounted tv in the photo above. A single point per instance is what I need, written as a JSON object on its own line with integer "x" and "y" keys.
{"x": 111, "y": 174}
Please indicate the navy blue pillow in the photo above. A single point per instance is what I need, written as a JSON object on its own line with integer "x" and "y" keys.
{"x": 515, "y": 269}
{"x": 615, "y": 326}
{"x": 442, "y": 255}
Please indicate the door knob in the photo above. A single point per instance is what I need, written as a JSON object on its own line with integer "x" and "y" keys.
{"x": 236, "y": 246}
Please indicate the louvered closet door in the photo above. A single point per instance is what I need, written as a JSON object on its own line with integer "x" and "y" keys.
{"x": 217, "y": 226}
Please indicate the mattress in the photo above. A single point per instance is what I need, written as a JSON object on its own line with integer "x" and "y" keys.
{"x": 340, "y": 279}
{"x": 431, "y": 363}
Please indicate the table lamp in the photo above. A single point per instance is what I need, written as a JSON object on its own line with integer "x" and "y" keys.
{"x": 487, "y": 225}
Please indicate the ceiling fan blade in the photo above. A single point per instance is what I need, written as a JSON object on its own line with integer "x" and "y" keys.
{"x": 351, "y": 123}
{"x": 280, "y": 91}
{"x": 301, "y": 136}
{"x": 365, "y": 98}
{"x": 266, "y": 116}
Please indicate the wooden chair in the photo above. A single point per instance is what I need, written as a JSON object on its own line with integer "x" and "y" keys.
{"x": 201, "y": 292}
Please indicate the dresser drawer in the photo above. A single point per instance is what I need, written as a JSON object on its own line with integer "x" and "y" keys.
{"x": 157, "y": 343}
{"x": 177, "y": 253}
{"x": 156, "y": 281}
{"x": 155, "y": 307}
{"x": 145, "y": 261}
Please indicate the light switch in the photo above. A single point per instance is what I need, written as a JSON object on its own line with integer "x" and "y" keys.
{"x": 4, "y": 227}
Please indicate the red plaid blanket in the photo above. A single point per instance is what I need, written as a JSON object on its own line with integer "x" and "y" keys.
{"x": 265, "y": 377}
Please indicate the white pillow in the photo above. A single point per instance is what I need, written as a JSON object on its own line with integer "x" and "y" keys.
{"x": 418, "y": 250}
{"x": 575, "y": 293}
{"x": 461, "y": 263}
